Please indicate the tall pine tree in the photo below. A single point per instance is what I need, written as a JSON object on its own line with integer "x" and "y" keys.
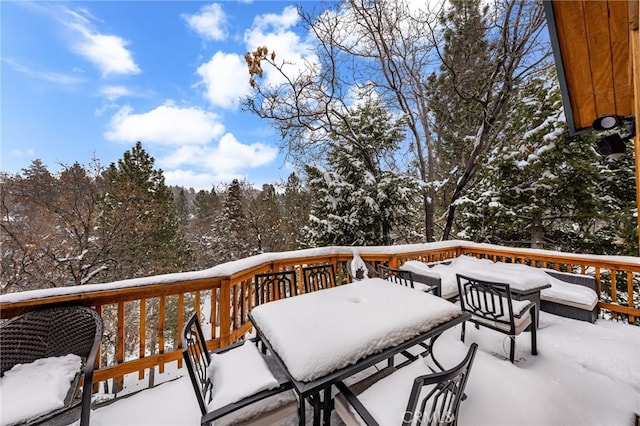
{"x": 539, "y": 187}
{"x": 358, "y": 198}
{"x": 139, "y": 219}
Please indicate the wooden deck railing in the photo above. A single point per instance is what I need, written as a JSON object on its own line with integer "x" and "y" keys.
{"x": 143, "y": 318}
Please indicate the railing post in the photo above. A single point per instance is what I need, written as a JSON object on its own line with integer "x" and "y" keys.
{"x": 225, "y": 312}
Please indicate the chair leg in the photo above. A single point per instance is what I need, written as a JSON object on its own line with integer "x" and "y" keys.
{"x": 301, "y": 412}
{"x": 534, "y": 338}
{"x": 462, "y": 332}
{"x": 512, "y": 350}
{"x": 327, "y": 406}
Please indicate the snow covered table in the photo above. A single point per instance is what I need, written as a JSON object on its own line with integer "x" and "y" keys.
{"x": 326, "y": 336}
{"x": 525, "y": 282}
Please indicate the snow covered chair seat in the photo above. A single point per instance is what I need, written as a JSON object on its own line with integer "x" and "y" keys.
{"x": 236, "y": 384}
{"x": 45, "y": 352}
{"x": 491, "y": 305}
{"x": 414, "y": 394}
{"x": 571, "y": 296}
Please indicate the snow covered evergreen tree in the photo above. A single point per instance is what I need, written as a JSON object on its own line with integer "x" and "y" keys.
{"x": 488, "y": 51}
{"x": 618, "y": 232}
{"x": 138, "y": 219}
{"x": 539, "y": 188}
{"x": 358, "y": 198}
{"x": 296, "y": 204}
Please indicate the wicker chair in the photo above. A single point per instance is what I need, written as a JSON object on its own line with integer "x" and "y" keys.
{"x": 435, "y": 398}
{"x": 275, "y": 285}
{"x": 55, "y": 332}
{"x": 318, "y": 277}
{"x": 268, "y": 406}
{"x": 491, "y": 305}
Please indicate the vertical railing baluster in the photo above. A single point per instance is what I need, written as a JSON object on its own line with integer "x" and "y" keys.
{"x": 161, "y": 322}
{"x": 630, "y": 300}
{"x": 119, "y": 380}
{"x": 614, "y": 290}
{"x": 98, "y": 363}
{"x": 180, "y": 325}
{"x": 214, "y": 312}
{"x": 143, "y": 334}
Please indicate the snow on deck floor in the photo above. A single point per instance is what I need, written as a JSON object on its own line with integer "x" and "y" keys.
{"x": 584, "y": 374}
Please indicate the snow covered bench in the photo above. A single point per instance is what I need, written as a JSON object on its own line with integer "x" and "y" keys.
{"x": 571, "y": 296}
{"x": 431, "y": 275}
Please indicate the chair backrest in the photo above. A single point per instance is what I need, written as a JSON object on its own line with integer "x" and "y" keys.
{"x": 489, "y": 300}
{"x": 54, "y": 332}
{"x": 398, "y": 276}
{"x": 275, "y": 285}
{"x": 318, "y": 277}
{"x": 439, "y": 403}
{"x": 197, "y": 359}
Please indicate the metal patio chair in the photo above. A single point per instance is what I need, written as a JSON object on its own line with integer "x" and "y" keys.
{"x": 406, "y": 278}
{"x": 268, "y": 406}
{"x": 56, "y": 332}
{"x": 435, "y": 398}
{"x": 318, "y": 277}
{"x": 397, "y": 276}
{"x": 491, "y": 305}
{"x": 275, "y": 285}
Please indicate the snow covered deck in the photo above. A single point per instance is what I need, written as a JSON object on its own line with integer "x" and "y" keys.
{"x": 143, "y": 317}
{"x": 585, "y": 374}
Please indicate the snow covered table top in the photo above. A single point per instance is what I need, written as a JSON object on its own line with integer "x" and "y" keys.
{"x": 522, "y": 279}
{"x": 318, "y": 333}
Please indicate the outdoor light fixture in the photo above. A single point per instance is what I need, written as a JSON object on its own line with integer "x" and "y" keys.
{"x": 617, "y": 131}
{"x": 611, "y": 146}
{"x": 607, "y": 122}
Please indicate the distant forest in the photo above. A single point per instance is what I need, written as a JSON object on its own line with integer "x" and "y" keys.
{"x": 91, "y": 224}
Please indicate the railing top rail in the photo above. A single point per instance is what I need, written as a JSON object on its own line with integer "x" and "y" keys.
{"x": 224, "y": 270}
{"x": 595, "y": 259}
{"x": 230, "y": 269}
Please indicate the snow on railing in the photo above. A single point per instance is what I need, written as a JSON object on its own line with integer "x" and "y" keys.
{"x": 144, "y": 317}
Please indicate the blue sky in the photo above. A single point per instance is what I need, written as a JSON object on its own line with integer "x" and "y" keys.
{"x": 83, "y": 79}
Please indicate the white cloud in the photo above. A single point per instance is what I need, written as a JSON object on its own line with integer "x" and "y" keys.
{"x": 28, "y": 152}
{"x": 52, "y": 77}
{"x": 210, "y": 23}
{"x": 224, "y": 162}
{"x": 113, "y": 93}
{"x": 225, "y": 78}
{"x": 282, "y": 22}
{"x": 190, "y": 179}
{"x": 166, "y": 125}
{"x": 107, "y": 52}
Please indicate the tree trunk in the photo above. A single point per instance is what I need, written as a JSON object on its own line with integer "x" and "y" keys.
{"x": 429, "y": 211}
{"x": 537, "y": 232}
